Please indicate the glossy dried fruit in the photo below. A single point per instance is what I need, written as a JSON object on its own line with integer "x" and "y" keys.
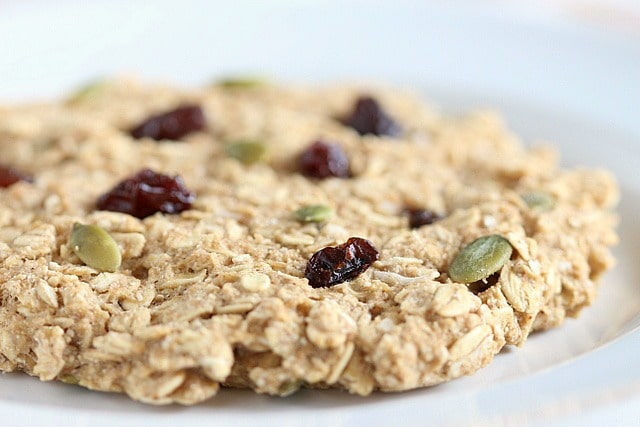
{"x": 419, "y": 217}
{"x": 95, "y": 247}
{"x": 172, "y": 125}
{"x": 368, "y": 117}
{"x": 146, "y": 193}
{"x": 324, "y": 160}
{"x": 247, "y": 152}
{"x": 480, "y": 259}
{"x": 313, "y": 213}
{"x": 336, "y": 264}
{"x": 9, "y": 176}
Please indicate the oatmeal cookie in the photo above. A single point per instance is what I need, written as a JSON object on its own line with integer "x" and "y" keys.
{"x": 165, "y": 242}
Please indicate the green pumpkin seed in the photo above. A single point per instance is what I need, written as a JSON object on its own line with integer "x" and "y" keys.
{"x": 87, "y": 92}
{"x": 289, "y": 387}
{"x": 480, "y": 259}
{"x": 69, "y": 379}
{"x": 539, "y": 200}
{"x": 95, "y": 247}
{"x": 247, "y": 82}
{"x": 313, "y": 213}
{"x": 247, "y": 152}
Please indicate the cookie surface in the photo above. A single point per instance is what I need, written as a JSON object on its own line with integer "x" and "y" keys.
{"x": 216, "y": 294}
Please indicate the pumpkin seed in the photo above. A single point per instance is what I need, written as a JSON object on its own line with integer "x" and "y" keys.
{"x": 247, "y": 152}
{"x": 95, "y": 247}
{"x": 539, "y": 200}
{"x": 313, "y": 213}
{"x": 69, "y": 379}
{"x": 289, "y": 387}
{"x": 247, "y": 82}
{"x": 480, "y": 259}
{"x": 87, "y": 92}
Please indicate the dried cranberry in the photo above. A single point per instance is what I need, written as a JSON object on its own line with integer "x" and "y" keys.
{"x": 323, "y": 160}
{"x": 9, "y": 176}
{"x": 419, "y": 217}
{"x": 369, "y": 118}
{"x": 172, "y": 125}
{"x": 482, "y": 285}
{"x": 337, "y": 264}
{"x": 146, "y": 193}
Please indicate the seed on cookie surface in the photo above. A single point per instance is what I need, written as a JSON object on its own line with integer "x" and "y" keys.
{"x": 539, "y": 200}
{"x": 95, "y": 247}
{"x": 146, "y": 193}
{"x": 368, "y": 117}
{"x": 480, "y": 259}
{"x": 10, "y": 175}
{"x": 246, "y": 82}
{"x": 336, "y": 264}
{"x": 324, "y": 160}
{"x": 69, "y": 379}
{"x": 313, "y": 213}
{"x": 172, "y": 125}
{"x": 88, "y": 92}
{"x": 289, "y": 387}
{"x": 247, "y": 152}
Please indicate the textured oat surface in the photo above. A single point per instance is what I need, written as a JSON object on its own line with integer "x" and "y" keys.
{"x": 216, "y": 295}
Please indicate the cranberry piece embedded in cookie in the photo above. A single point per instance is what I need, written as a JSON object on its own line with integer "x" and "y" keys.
{"x": 336, "y": 264}
{"x": 146, "y": 193}
{"x": 419, "y": 217}
{"x": 172, "y": 125}
{"x": 323, "y": 160}
{"x": 9, "y": 176}
{"x": 368, "y": 117}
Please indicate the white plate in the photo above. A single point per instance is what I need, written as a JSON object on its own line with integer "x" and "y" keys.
{"x": 553, "y": 80}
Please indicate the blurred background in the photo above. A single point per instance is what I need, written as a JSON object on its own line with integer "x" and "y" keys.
{"x": 49, "y": 48}
{"x": 70, "y": 41}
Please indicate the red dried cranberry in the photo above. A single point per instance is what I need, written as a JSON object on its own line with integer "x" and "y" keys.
{"x": 323, "y": 160}
{"x": 172, "y": 125}
{"x": 146, "y": 193}
{"x": 419, "y": 217}
{"x": 9, "y": 176}
{"x": 336, "y": 264}
{"x": 369, "y": 118}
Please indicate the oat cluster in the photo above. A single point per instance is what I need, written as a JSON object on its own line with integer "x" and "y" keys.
{"x": 216, "y": 295}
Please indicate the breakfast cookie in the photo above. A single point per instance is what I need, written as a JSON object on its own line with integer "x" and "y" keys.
{"x": 164, "y": 242}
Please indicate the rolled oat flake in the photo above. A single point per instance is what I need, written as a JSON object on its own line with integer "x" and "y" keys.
{"x": 480, "y": 259}
{"x": 95, "y": 247}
